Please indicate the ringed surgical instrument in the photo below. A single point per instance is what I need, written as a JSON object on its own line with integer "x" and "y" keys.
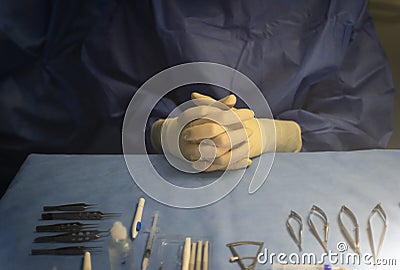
{"x": 381, "y": 213}
{"x": 297, "y": 239}
{"x": 315, "y": 210}
{"x": 353, "y": 242}
{"x": 239, "y": 259}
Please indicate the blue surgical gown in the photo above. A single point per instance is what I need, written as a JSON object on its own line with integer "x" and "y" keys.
{"x": 318, "y": 63}
{"x": 68, "y": 69}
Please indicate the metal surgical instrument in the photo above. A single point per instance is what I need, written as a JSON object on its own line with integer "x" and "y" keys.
{"x": 65, "y": 227}
{"x": 296, "y": 238}
{"x": 315, "y": 210}
{"x": 71, "y": 237}
{"x": 74, "y": 250}
{"x": 68, "y": 207}
{"x": 239, "y": 259}
{"x": 353, "y": 242}
{"x": 94, "y": 215}
{"x": 381, "y": 213}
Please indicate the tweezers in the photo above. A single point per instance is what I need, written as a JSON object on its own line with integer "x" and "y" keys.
{"x": 94, "y": 215}
{"x": 296, "y": 239}
{"x": 315, "y": 210}
{"x": 74, "y": 250}
{"x": 71, "y": 237}
{"x": 67, "y": 207}
{"x": 65, "y": 227}
{"x": 354, "y": 243}
{"x": 379, "y": 210}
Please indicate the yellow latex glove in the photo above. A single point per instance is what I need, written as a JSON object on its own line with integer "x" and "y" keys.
{"x": 183, "y": 140}
{"x": 260, "y": 136}
{"x": 287, "y": 136}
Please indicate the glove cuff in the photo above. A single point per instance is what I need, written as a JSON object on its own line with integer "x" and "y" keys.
{"x": 155, "y": 135}
{"x": 288, "y": 136}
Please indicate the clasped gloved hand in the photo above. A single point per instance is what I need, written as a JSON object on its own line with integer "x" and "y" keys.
{"x": 229, "y": 140}
{"x": 192, "y": 135}
{"x": 261, "y": 137}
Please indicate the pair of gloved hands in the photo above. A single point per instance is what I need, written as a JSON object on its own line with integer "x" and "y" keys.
{"x": 218, "y": 136}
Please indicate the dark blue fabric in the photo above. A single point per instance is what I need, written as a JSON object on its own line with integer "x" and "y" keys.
{"x": 317, "y": 62}
{"x": 64, "y": 90}
{"x": 48, "y": 101}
